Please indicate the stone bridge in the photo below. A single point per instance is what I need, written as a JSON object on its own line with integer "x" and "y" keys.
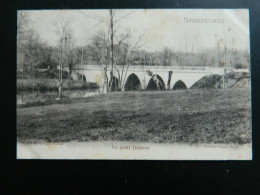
{"x": 135, "y": 77}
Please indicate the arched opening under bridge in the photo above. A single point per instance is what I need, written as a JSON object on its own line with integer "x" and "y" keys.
{"x": 153, "y": 86}
{"x": 82, "y": 78}
{"x": 179, "y": 85}
{"x": 132, "y": 83}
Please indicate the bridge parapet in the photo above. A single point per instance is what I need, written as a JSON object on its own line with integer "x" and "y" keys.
{"x": 155, "y": 68}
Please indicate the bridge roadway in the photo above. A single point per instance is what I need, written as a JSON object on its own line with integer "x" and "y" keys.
{"x": 184, "y": 75}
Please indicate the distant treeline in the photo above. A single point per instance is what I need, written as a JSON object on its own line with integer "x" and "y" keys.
{"x": 207, "y": 57}
{"x": 168, "y": 57}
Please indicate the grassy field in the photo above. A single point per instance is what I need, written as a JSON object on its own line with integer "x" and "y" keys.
{"x": 188, "y": 116}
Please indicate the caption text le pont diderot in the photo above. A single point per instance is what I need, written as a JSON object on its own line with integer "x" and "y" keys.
{"x": 130, "y": 147}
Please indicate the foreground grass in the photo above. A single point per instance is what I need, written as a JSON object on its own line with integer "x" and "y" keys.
{"x": 191, "y": 116}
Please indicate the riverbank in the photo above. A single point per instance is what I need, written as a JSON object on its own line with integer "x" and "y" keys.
{"x": 33, "y": 91}
{"x": 34, "y": 98}
{"x": 44, "y": 85}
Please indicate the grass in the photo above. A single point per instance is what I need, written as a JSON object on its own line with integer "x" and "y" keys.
{"x": 185, "y": 116}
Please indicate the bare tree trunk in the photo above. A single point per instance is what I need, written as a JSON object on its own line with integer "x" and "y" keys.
{"x": 119, "y": 80}
{"x": 218, "y": 56}
{"x": 169, "y": 80}
{"x": 104, "y": 85}
{"x": 112, "y": 50}
{"x": 157, "y": 82}
{"x": 60, "y": 82}
{"x": 32, "y": 73}
{"x": 60, "y": 74}
{"x": 224, "y": 82}
{"x": 60, "y": 91}
{"x": 81, "y": 61}
{"x": 128, "y": 63}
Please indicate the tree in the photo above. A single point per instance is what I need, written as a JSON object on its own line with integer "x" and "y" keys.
{"x": 131, "y": 48}
{"x": 34, "y": 51}
{"x": 110, "y": 49}
{"x": 22, "y": 29}
{"x": 70, "y": 52}
{"x": 62, "y": 30}
{"x": 165, "y": 56}
{"x": 99, "y": 49}
{"x": 169, "y": 80}
{"x": 22, "y": 24}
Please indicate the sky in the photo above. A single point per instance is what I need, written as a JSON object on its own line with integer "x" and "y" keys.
{"x": 178, "y": 29}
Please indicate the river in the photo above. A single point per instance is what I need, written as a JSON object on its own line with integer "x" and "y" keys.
{"x": 34, "y": 96}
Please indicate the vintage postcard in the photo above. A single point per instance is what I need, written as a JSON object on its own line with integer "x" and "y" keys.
{"x": 152, "y": 84}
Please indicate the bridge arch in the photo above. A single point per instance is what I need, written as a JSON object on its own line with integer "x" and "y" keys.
{"x": 152, "y": 85}
{"x": 132, "y": 83}
{"x": 82, "y": 78}
{"x": 179, "y": 85}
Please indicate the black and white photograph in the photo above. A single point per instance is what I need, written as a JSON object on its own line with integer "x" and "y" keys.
{"x": 135, "y": 84}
